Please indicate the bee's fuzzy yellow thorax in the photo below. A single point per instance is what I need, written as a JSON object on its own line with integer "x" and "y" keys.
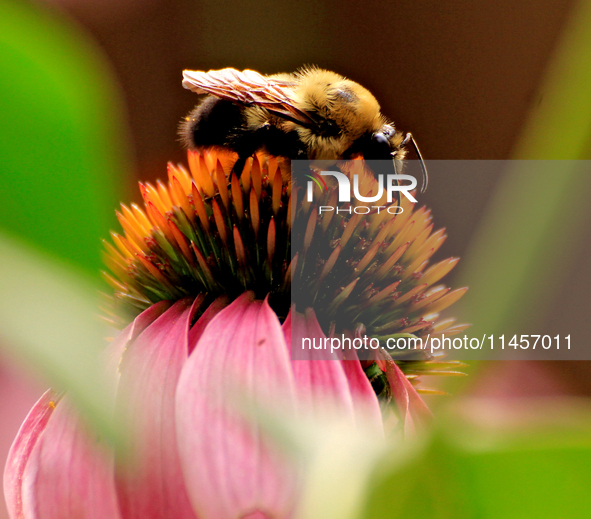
{"x": 331, "y": 96}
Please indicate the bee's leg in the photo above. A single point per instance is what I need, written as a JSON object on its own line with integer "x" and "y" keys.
{"x": 239, "y": 165}
{"x": 398, "y": 197}
{"x": 380, "y": 155}
{"x": 272, "y": 139}
{"x": 386, "y": 167}
{"x": 246, "y": 144}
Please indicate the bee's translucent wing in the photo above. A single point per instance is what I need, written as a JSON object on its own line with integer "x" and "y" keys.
{"x": 249, "y": 88}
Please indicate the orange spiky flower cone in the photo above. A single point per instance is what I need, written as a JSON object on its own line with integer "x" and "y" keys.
{"x": 209, "y": 232}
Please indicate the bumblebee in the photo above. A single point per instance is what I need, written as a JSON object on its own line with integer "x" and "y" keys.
{"x": 311, "y": 114}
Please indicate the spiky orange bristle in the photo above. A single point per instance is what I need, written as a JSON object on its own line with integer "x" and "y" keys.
{"x": 203, "y": 233}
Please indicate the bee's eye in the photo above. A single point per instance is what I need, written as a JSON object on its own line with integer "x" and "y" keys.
{"x": 378, "y": 147}
{"x": 380, "y": 140}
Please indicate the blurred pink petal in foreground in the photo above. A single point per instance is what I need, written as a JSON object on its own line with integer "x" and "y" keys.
{"x": 19, "y": 393}
{"x": 196, "y": 455}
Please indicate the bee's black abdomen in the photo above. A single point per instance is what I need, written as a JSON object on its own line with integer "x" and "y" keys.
{"x": 219, "y": 122}
{"x": 211, "y": 123}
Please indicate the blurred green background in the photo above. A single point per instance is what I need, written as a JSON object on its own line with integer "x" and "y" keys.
{"x": 90, "y": 97}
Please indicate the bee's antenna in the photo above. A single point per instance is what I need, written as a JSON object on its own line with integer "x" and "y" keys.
{"x": 410, "y": 138}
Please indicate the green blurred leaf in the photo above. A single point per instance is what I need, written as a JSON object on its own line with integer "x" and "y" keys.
{"x": 62, "y": 139}
{"x": 538, "y": 210}
{"x": 494, "y": 472}
{"x": 48, "y": 320}
{"x": 559, "y": 128}
{"x": 521, "y": 250}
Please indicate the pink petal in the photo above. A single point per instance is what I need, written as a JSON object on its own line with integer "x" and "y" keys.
{"x": 365, "y": 401}
{"x": 339, "y": 383}
{"x": 414, "y": 412}
{"x": 320, "y": 379}
{"x": 198, "y": 328}
{"x": 230, "y": 469}
{"x": 114, "y": 351}
{"x": 69, "y": 474}
{"x": 151, "y": 486}
{"x": 21, "y": 449}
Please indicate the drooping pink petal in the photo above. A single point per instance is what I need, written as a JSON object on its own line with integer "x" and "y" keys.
{"x": 230, "y": 469}
{"x": 115, "y": 349}
{"x": 413, "y": 411}
{"x": 319, "y": 375}
{"x": 150, "y": 485}
{"x": 198, "y": 328}
{"x": 69, "y": 474}
{"x": 365, "y": 401}
{"x": 21, "y": 449}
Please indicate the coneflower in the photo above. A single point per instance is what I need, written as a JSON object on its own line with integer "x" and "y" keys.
{"x": 210, "y": 232}
{"x": 215, "y": 278}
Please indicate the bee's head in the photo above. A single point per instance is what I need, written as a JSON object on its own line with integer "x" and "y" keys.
{"x": 386, "y": 143}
